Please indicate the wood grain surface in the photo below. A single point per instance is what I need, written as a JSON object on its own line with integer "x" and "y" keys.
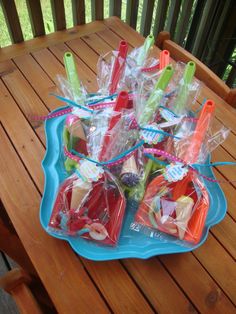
{"x": 201, "y": 281}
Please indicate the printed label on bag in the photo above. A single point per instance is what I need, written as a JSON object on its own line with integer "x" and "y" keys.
{"x": 175, "y": 172}
{"x": 167, "y": 114}
{"x": 151, "y": 136}
{"x": 89, "y": 171}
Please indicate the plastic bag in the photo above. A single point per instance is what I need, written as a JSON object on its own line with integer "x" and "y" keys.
{"x": 199, "y": 137}
{"x": 74, "y": 138}
{"x": 185, "y": 90}
{"x": 68, "y": 91}
{"x": 176, "y": 201}
{"x": 105, "y": 144}
{"x": 149, "y": 97}
{"x": 111, "y": 69}
{"x": 176, "y": 209}
{"x": 93, "y": 210}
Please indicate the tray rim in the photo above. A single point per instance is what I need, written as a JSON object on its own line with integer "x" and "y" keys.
{"x": 142, "y": 254}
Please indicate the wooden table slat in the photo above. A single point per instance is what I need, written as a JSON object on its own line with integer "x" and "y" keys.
{"x": 31, "y": 70}
{"x": 49, "y": 40}
{"x": 193, "y": 278}
{"x": 154, "y": 279}
{"x": 213, "y": 256}
{"x": 220, "y": 154}
{"x": 26, "y": 144}
{"x": 225, "y": 232}
{"x": 229, "y": 191}
{"x": 58, "y": 262}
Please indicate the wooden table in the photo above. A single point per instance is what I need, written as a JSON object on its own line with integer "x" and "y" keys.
{"x": 200, "y": 281}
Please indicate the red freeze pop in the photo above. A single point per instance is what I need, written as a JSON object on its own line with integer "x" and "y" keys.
{"x": 118, "y": 67}
{"x": 121, "y": 103}
{"x": 164, "y": 59}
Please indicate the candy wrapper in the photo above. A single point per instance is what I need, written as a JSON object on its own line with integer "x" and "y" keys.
{"x": 93, "y": 210}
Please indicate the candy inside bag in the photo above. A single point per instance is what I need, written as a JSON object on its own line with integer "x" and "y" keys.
{"x": 93, "y": 210}
{"x": 75, "y": 138}
{"x": 176, "y": 202}
{"x": 119, "y": 139}
{"x": 166, "y": 209}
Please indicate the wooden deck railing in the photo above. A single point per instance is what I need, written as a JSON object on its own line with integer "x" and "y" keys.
{"x": 206, "y": 28}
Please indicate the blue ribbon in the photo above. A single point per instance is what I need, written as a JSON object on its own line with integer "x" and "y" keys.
{"x": 161, "y": 162}
{"x": 167, "y": 109}
{"x": 103, "y": 163}
{"x": 214, "y": 164}
{"x": 82, "y": 231}
{"x": 101, "y": 99}
{"x": 80, "y": 175}
{"x": 71, "y": 102}
{"x": 105, "y": 98}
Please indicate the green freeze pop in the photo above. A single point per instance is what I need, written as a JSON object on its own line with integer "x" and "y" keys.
{"x": 143, "y": 53}
{"x": 184, "y": 88}
{"x": 155, "y": 98}
{"x": 72, "y": 74}
{"x": 144, "y": 50}
{"x": 73, "y": 78}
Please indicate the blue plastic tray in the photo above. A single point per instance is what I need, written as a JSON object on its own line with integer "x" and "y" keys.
{"x": 131, "y": 243}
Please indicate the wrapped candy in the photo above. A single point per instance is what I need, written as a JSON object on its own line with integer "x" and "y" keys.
{"x": 93, "y": 210}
